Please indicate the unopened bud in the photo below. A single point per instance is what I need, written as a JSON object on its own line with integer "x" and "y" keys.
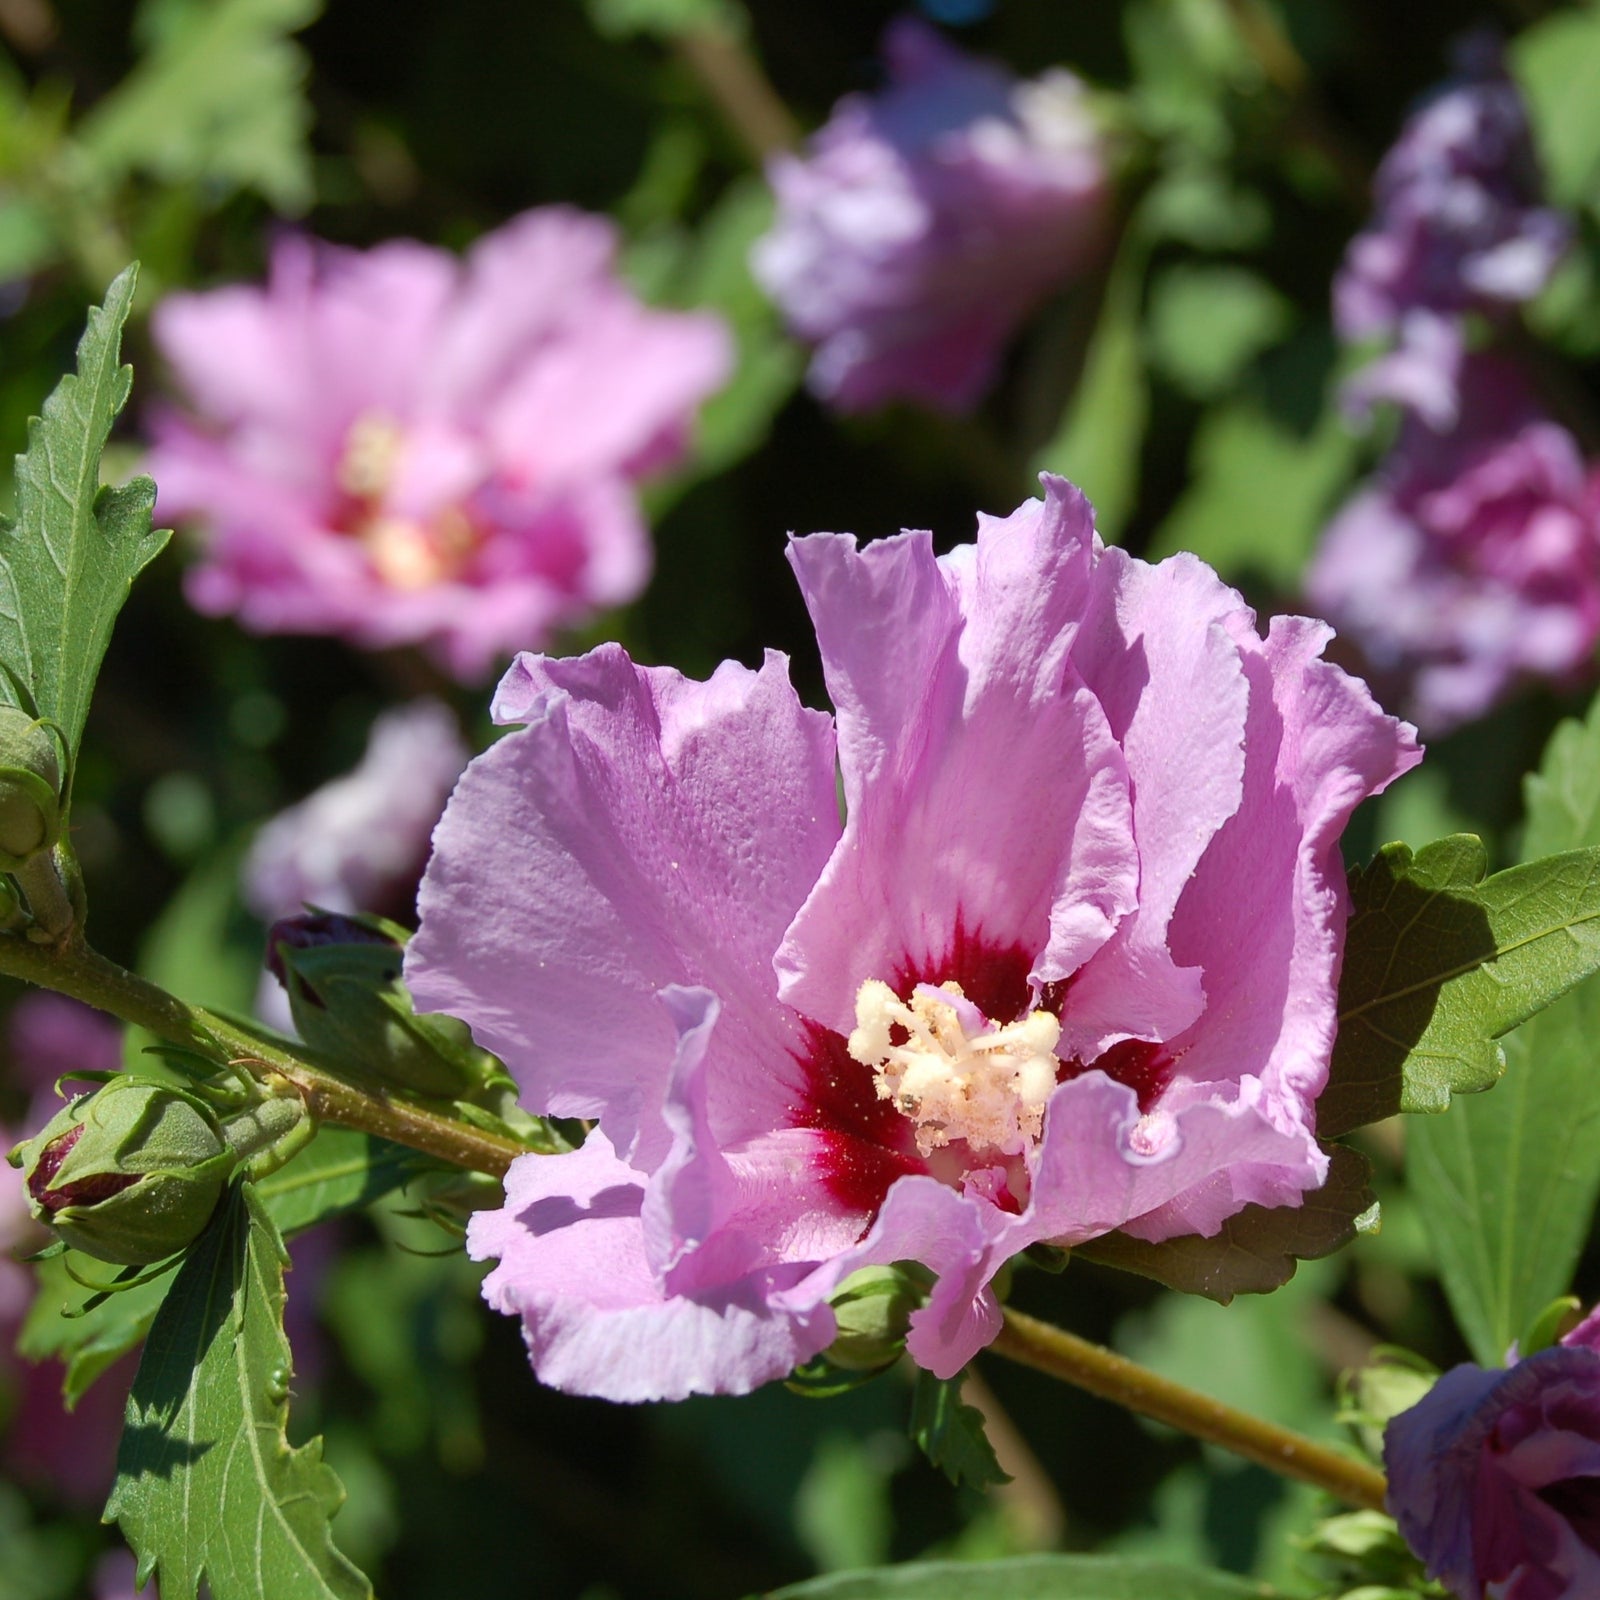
{"x": 873, "y": 1310}
{"x": 130, "y": 1173}
{"x": 30, "y": 788}
{"x": 342, "y": 975}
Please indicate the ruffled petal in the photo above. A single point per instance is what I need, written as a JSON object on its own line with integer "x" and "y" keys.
{"x": 961, "y": 724}
{"x": 642, "y": 830}
{"x": 1156, "y": 653}
{"x": 573, "y": 1267}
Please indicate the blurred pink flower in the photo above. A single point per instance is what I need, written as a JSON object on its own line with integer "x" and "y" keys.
{"x": 924, "y": 223}
{"x": 1068, "y": 966}
{"x": 1471, "y": 562}
{"x": 398, "y": 447}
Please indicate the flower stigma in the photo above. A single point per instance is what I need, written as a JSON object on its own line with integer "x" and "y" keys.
{"x": 957, "y": 1075}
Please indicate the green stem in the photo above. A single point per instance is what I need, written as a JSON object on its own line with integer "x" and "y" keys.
{"x": 75, "y": 969}
{"x": 1115, "y": 1378}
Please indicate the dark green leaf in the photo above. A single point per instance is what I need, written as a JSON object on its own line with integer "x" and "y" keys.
{"x": 1440, "y": 962}
{"x": 218, "y": 95}
{"x": 1256, "y": 1249}
{"x": 1031, "y": 1578}
{"x": 207, "y": 1486}
{"x": 70, "y": 556}
{"x": 950, "y": 1432}
{"x": 1508, "y": 1185}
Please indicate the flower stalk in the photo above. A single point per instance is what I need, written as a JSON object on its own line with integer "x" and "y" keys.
{"x": 1112, "y": 1377}
{"x": 75, "y": 969}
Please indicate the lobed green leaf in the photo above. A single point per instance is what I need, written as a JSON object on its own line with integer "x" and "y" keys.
{"x": 1441, "y": 961}
{"x": 950, "y": 1432}
{"x": 207, "y": 1486}
{"x": 1507, "y": 1185}
{"x": 70, "y": 555}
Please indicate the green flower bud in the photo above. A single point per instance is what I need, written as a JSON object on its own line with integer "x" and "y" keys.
{"x": 130, "y": 1173}
{"x": 873, "y": 1308}
{"x": 30, "y": 788}
{"x": 342, "y": 974}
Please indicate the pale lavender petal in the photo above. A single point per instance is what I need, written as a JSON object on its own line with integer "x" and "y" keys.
{"x": 665, "y": 832}
{"x": 573, "y": 1266}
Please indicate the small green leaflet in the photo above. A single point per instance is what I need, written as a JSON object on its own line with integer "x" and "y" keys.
{"x": 1256, "y": 1249}
{"x": 1031, "y": 1578}
{"x": 950, "y": 1432}
{"x": 1440, "y": 961}
{"x": 69, "y": 558}
{"x": 1507, "y": 1185}
{"x": 217, "y": 96}
{"x": 207, "y": 1486}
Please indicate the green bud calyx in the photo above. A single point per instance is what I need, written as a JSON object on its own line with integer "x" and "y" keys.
{"x": 30, "y": 787}
{"x": 873, "y": 1310}
{"x": 129, "y": 1174}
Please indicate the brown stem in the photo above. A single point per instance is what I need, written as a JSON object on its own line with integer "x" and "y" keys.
{"x": 75, "y": 969}
{"x": 1115, "y": 1378}
{"x": 734, "y": 79}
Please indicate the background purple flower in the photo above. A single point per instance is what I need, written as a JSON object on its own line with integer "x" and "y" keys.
{"x": 1090, "y": 869}
{"x": 1494, "y": 1476}
{"x": 1471, "y": 562}
{"x": 398, "y": 446}
{"x": 925, "y": 222}
{"x": 359, "y": 842}
{"x": 1457, "y": 223}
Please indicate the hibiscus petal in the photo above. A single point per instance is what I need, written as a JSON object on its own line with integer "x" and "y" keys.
{"x": 573, "y": 1267}
{"x": 960, "y": 720}
{"x": 641, "y": 830}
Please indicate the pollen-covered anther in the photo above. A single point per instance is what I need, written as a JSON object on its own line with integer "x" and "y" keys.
{"x": 957, "y": 1075}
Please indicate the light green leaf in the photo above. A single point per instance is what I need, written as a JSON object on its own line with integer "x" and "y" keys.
{"x": 664, "y": 18}
{"x": 1206, "y": 324}
{"x": 1259, "y": 493}
{"x": 69, "y": 558}
{"x": 950, "y": 1432}
{"x": 1101, "y": 434}
{"x": 340, "y": 1170}
{"x": 1440, "y": 962}
{"x": 89, "y": 1343}
{"x": 1556, "y": 62}
{"x": 1508, "y": 1184}
{"x": 1036, "y": 1577}
{"x": 207, "y": 1486}
{"x": 219, "y": 96}
{"x": 1257, "y": 1249}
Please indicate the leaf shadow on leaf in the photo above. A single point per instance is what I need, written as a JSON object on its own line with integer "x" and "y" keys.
{"x": 160, "y": 1455}
{"x": 1417, "y": 925}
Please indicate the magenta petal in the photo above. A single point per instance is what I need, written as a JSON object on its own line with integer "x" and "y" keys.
{"x": 961, "y": 724}
{"x": 573, "y": 1266}
{"x": 641, "y": 831}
